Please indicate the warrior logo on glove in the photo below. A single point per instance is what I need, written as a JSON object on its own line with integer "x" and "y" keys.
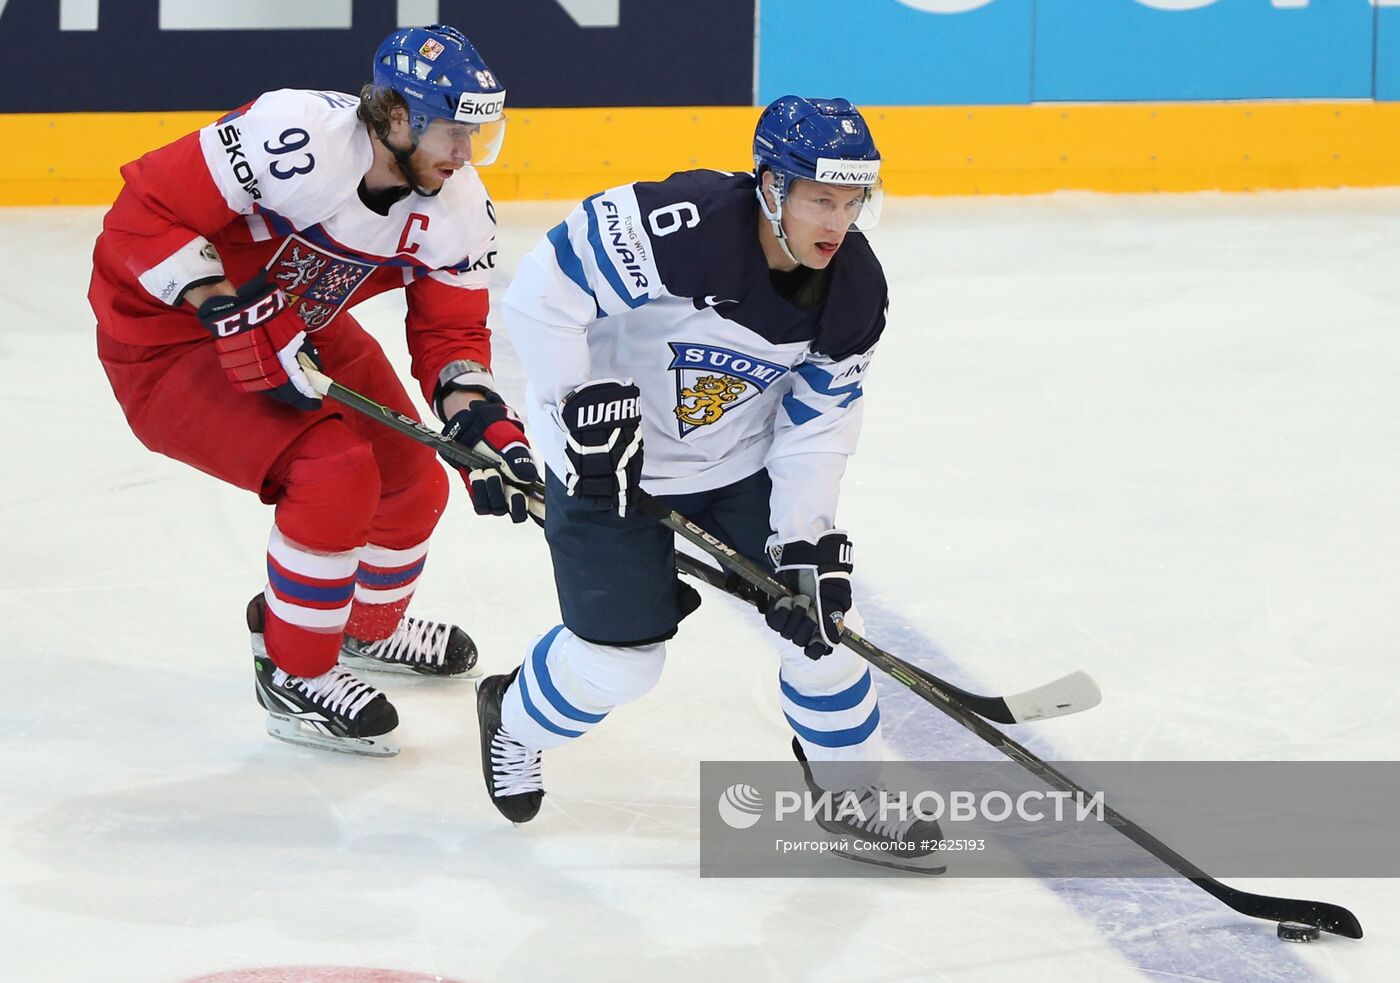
{"x": 593, "y": 414}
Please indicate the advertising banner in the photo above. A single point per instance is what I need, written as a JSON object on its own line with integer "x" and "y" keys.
{"x": 971, "y": 52}
{"x": 897, "y": 52}
{"x": 1203, "y": 49}
{"x": 164, "y": 55}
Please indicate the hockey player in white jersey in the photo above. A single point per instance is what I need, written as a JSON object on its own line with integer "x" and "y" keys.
{"x": 705, "y": 338}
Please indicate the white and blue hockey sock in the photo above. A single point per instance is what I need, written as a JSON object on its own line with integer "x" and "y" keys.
{"x": 831, "y": 705}
{"x": 567, "y": 685}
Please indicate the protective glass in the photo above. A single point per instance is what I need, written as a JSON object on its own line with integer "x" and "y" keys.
{"x": 476, "y": 143}
{"x": 834, "y": 207}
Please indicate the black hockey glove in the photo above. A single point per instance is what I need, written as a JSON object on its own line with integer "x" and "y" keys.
{"x": 602, "y": 420}
{"x": 819, "y": 574}
{"x": 491, "y": 428}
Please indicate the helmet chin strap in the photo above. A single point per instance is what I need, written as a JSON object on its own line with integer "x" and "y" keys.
{"x": 775, "y": 215}
{"x": 404, "y": 158}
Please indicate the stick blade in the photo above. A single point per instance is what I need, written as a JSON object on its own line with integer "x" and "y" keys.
{"x": 1329, "y": 917}
{"x": 1066, "y": 695}
{"x": 1338, "y": 921}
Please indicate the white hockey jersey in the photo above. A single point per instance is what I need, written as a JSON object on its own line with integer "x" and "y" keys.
{"x": 666, "y": 284}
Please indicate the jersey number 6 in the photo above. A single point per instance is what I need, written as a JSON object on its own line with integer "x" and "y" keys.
{"x": 681, "y": 215}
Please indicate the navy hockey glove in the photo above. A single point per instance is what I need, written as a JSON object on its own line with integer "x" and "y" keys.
{"x": 490, "y": 428}
{"x": 819, "y": 574}
{"x": 602, "y": 420}
{"x": 258, "y": 337}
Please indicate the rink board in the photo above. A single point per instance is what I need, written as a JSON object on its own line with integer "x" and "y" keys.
{"x": 73, "y": 158}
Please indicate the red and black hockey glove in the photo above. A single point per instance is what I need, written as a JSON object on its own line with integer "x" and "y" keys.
{"x": 819, "y": 574}
{"x": 258, "y": 337}
{"x": 491, "y": 428}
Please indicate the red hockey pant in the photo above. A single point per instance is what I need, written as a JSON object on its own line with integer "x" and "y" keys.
{"x": 338, "y": 480}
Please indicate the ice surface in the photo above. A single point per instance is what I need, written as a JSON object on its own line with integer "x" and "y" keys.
{"x": 1154, "y": 438}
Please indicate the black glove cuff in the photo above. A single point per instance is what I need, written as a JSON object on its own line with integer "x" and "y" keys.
{"x": 831, "y": 553}
{"x": 216, "y": 311}
{"x": 445, "y": 389}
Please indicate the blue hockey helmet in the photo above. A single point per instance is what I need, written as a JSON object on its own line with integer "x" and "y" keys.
{"x": 824, "y": 140}
{"x": 439, "y": 75}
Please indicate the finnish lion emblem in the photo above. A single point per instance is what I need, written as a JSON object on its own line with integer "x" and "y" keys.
{"x": 712, "y": 382}
{"x": 704, "y": 401}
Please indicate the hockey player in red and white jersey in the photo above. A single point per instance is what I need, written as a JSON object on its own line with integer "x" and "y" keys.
{"x": 238, "y": 248}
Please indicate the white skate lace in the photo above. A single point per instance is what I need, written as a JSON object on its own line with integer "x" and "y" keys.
{"x": 869, "y": 798}
{"x": 515, "y": 768}
{"x": 337, "y": 690}
{"x": 415, "y": 640}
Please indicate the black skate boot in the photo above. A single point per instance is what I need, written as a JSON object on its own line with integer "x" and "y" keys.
{"x": 419, "y": 646}
{"x": 511, "y": 769}
{"x": 903, "y": 843}
{"x": 334, "y": 710}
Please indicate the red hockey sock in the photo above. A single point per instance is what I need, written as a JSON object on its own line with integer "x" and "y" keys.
{"x": 384, "y": 585}
{"x": 308, "y": 599}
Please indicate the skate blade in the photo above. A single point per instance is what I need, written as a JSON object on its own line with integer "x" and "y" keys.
{"x": 292, "y": 731}
{"x": 351, "y": 661}
{"x": 930, "y": 864}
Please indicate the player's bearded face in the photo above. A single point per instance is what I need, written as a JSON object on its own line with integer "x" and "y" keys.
{"x": 816, "y": 218}
{"x": 443, "y": 149}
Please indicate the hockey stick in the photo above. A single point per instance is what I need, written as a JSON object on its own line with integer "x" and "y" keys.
{"x": 1069, "y": 694}
{"x": 1328, "y": 917}
{"x": 458, "y": 454}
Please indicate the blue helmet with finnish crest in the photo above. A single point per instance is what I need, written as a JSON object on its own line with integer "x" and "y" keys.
{"x": 439, "y": 75}
{"x": 822, "y": 140}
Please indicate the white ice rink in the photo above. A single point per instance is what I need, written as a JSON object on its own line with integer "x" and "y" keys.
{"x": 1155, "y": 438}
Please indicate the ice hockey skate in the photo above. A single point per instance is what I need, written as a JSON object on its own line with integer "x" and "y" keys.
{"x": 335, "y": 711}
{"x": 900, "y": 843}
{"x": 512, "y": 771}
{"x": 417, "y": 646}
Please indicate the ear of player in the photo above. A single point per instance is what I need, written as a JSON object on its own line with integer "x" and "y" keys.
{"x": 259, "y": 338}
{"x": 819, "y": 575}
{"x": 602, "y": 423}
{"x": 493, "y": 430}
